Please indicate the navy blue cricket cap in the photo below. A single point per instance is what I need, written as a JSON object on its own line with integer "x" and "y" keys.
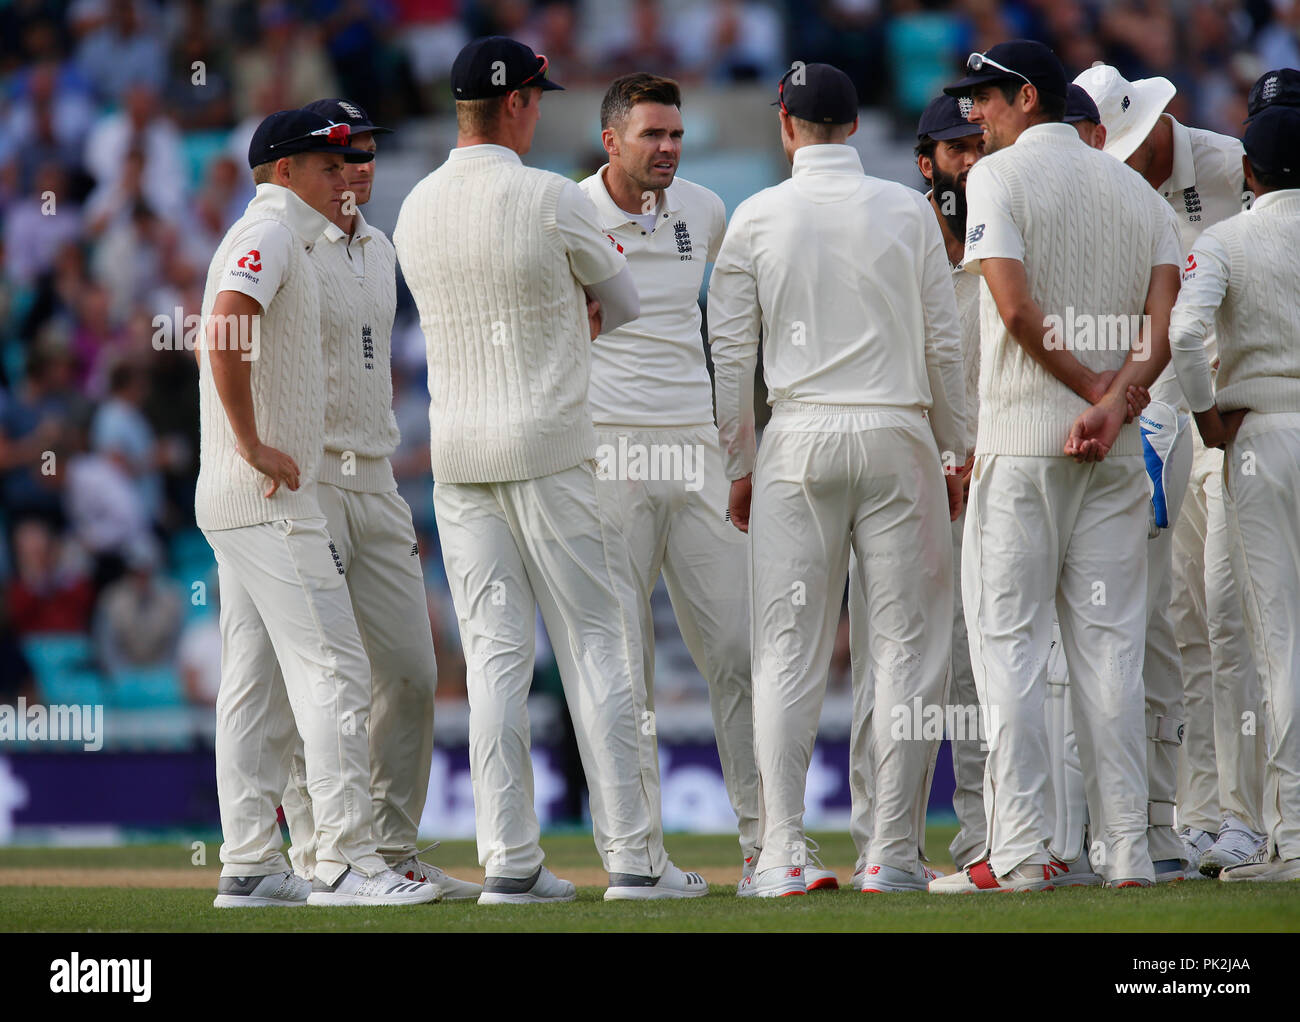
{"x": 289, "y": 132}
{"x": 819, "y": 93}
{"x": 1021, "y": 60}
{"x": 1079, "y": 106}
{"x": 1280, "y": 87}
{"x": 494, "y": 65}
{"x": 1272, "y": 140}
{"x": 945, "y": 118}
{"x": 340, "y": 111}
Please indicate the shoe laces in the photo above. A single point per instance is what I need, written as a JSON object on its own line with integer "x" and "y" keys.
{"x": 430, "y": 871}
{"x": 812, "y": 849}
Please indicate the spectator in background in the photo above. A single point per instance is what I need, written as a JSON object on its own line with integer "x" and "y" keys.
{"x": 925, "y": 41}
{"x": 97, "y": 339}
{"x": 48, "y": 122}
{"x": 34, "y": 429}
{"x": 289, "y": 52}
{"x": 641, "y": 41}
{"x": 16, "y": 678}
{"x": 122, "y": 50}
{"x": 121, "y": 432}
{"x": 105, "y": 512}
{"x": 730, "y": 41}
{"x": 198, "y": 653}
{"x": 49, "y": 591}
{"x": 432, "y": 33}
{"x": 138, "y": 619}
{"x": 219, "y": 203}
{"x": 140, "y": 125}
{"x": 38, "y": 225}
{"x": 203, "y": 105}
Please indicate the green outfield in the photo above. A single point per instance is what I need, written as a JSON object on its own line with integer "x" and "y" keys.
{"x": 155, "y": 888}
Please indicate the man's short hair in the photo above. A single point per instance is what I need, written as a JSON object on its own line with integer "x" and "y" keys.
{"x": 481, "y": 116}
{"x": 640, "y": 87}
{"x": 1277, "y": 179}
{"x": 818, "y": 132}
{"x": 264, "y": 173}
{"x": 925, "y": 147}
{"x": 1051, "y": 107}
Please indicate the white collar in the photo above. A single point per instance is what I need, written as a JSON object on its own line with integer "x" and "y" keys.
{"x": 827, "y": 158}
{"x": 1287, "y": 196}
{"x": 612, "y": 215}
{"x": 472, "y": 152}
{"x": 304, "y": 221}
{"x": 361, "y": 231}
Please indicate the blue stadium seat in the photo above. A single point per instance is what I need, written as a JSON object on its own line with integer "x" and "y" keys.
{"x": 72, "y": 686}
{"x": 57, "y": 651}
{"x": 146, "y": 688}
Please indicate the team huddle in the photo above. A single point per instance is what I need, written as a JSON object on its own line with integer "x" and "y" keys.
{"x": 1063, "y": 499}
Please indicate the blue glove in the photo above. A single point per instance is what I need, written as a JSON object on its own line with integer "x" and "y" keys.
{"x": 1159, "y": 425}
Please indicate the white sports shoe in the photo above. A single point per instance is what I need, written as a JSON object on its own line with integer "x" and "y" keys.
{"x": 980, "y": 879}
{"x": 674, "y": 883}
{"x": 745, "y": 889}
{"x": 449, "y": 888}
{"x": 816, "y": 876}
{"x": 881, "y": 879}
{"x": 541, "y": 887}
{"x": 1261, "y": 868}
{"x": 1078, "y": 873}
{"x": 355, "y": 888}
{"x": 1195, "y": 844}
{"x": 274, "y": 890}
{"x": 779, "y": 882}
{"x": 1235, "y": 844}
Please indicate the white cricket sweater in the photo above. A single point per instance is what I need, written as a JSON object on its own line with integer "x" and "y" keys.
{"x": 1089, "y": 231}
{"x": 265, "y": 254}
{"x": 1243, "y": 273}
{"x": 359, "y": 299}
{"x": 499, "y": 287}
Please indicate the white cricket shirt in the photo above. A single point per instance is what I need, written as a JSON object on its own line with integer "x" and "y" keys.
{"x": 847, "y": 277}
{"x": 652, "y": 371}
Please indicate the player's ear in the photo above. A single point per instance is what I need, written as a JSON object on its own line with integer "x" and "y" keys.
{"x": 926, "y": 166}
{"x": 853, "y": 130}
{"x": 609, "y": 140}
{"x": 1099, "y": 137}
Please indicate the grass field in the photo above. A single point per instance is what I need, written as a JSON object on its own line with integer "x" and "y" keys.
{"x": 31, "y": 899}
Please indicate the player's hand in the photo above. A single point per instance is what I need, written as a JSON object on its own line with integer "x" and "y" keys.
{"x": 1137, "y": 398}
{"x": 742, "y": 490}
{"x": 277, "y": 466}
{"x": 956, "y": 495}
{"x": 1231, "y": 423}
{"x": 1094, "y": 432}
{"x": 1100, "y": 385}
{"x": 593, "y": 317}
{"x": 1218, "y": 429}
{"x": 964, "y": 474}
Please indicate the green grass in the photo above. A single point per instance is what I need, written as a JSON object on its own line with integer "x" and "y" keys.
{"x": 1187, "y": 907}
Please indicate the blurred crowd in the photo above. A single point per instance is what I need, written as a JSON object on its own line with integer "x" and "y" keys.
{"x": 122, "y": 162}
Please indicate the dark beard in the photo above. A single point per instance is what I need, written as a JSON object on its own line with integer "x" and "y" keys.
{"x": 950, "y": 197}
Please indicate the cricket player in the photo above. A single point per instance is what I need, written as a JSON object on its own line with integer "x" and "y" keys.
{"x": 1058, "y": 499}
{"x": 1198, "y": 173}
{"x": 846, "y": 277}
{"x": 1241, "y": 279}
{"x": 513, "y": 278}
{"x": 370, "y": 527}
{"x": 947, "y": 147}
{"x": 652, "y": 403}
{"x": 262, "y": 416}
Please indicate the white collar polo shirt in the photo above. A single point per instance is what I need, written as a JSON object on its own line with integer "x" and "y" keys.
{"x": 652, "y": 371}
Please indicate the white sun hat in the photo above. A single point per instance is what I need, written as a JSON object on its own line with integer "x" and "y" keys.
{"x": 1129, "y": 110}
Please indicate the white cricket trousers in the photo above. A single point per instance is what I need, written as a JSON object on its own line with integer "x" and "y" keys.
{"x": 280, "y": 582}
{"x": 375, "y": 539}
{"x": 1221, "y": 766}
{"x": 827, "y": 479}
{"x": 510, "y": 548}
{"x": 1044, "y": 532}
{"x": 968, "y": 746}
{"x": 1261, "y": 484}
{"x": 677, "y": 523}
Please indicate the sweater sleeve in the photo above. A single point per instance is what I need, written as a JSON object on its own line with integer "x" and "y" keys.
{"x": 943, "y": 357}
{"x": 1205, "y": 282}
{"x": 734, "y": 323}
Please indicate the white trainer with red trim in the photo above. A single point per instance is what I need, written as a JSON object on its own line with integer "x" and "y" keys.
{"x": 878, "y": 878}
{"x": 816, "y": 876}
{"x": 778, "y": 882}
{"x": 1076, "y": 874}
{"x": 979, "y": 879}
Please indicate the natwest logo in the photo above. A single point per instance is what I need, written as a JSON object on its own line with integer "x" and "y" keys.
{"x": 252, "y": 261}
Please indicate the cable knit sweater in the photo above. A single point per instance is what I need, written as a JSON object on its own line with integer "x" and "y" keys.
{"x": 504, "y": 318}
{"x": 1089, "y": 230}
{"x": 359, "y": 287}
{"x": 266, "y": 249}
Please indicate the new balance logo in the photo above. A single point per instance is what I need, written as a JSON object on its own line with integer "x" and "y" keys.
{"x": 794, "y": 872}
